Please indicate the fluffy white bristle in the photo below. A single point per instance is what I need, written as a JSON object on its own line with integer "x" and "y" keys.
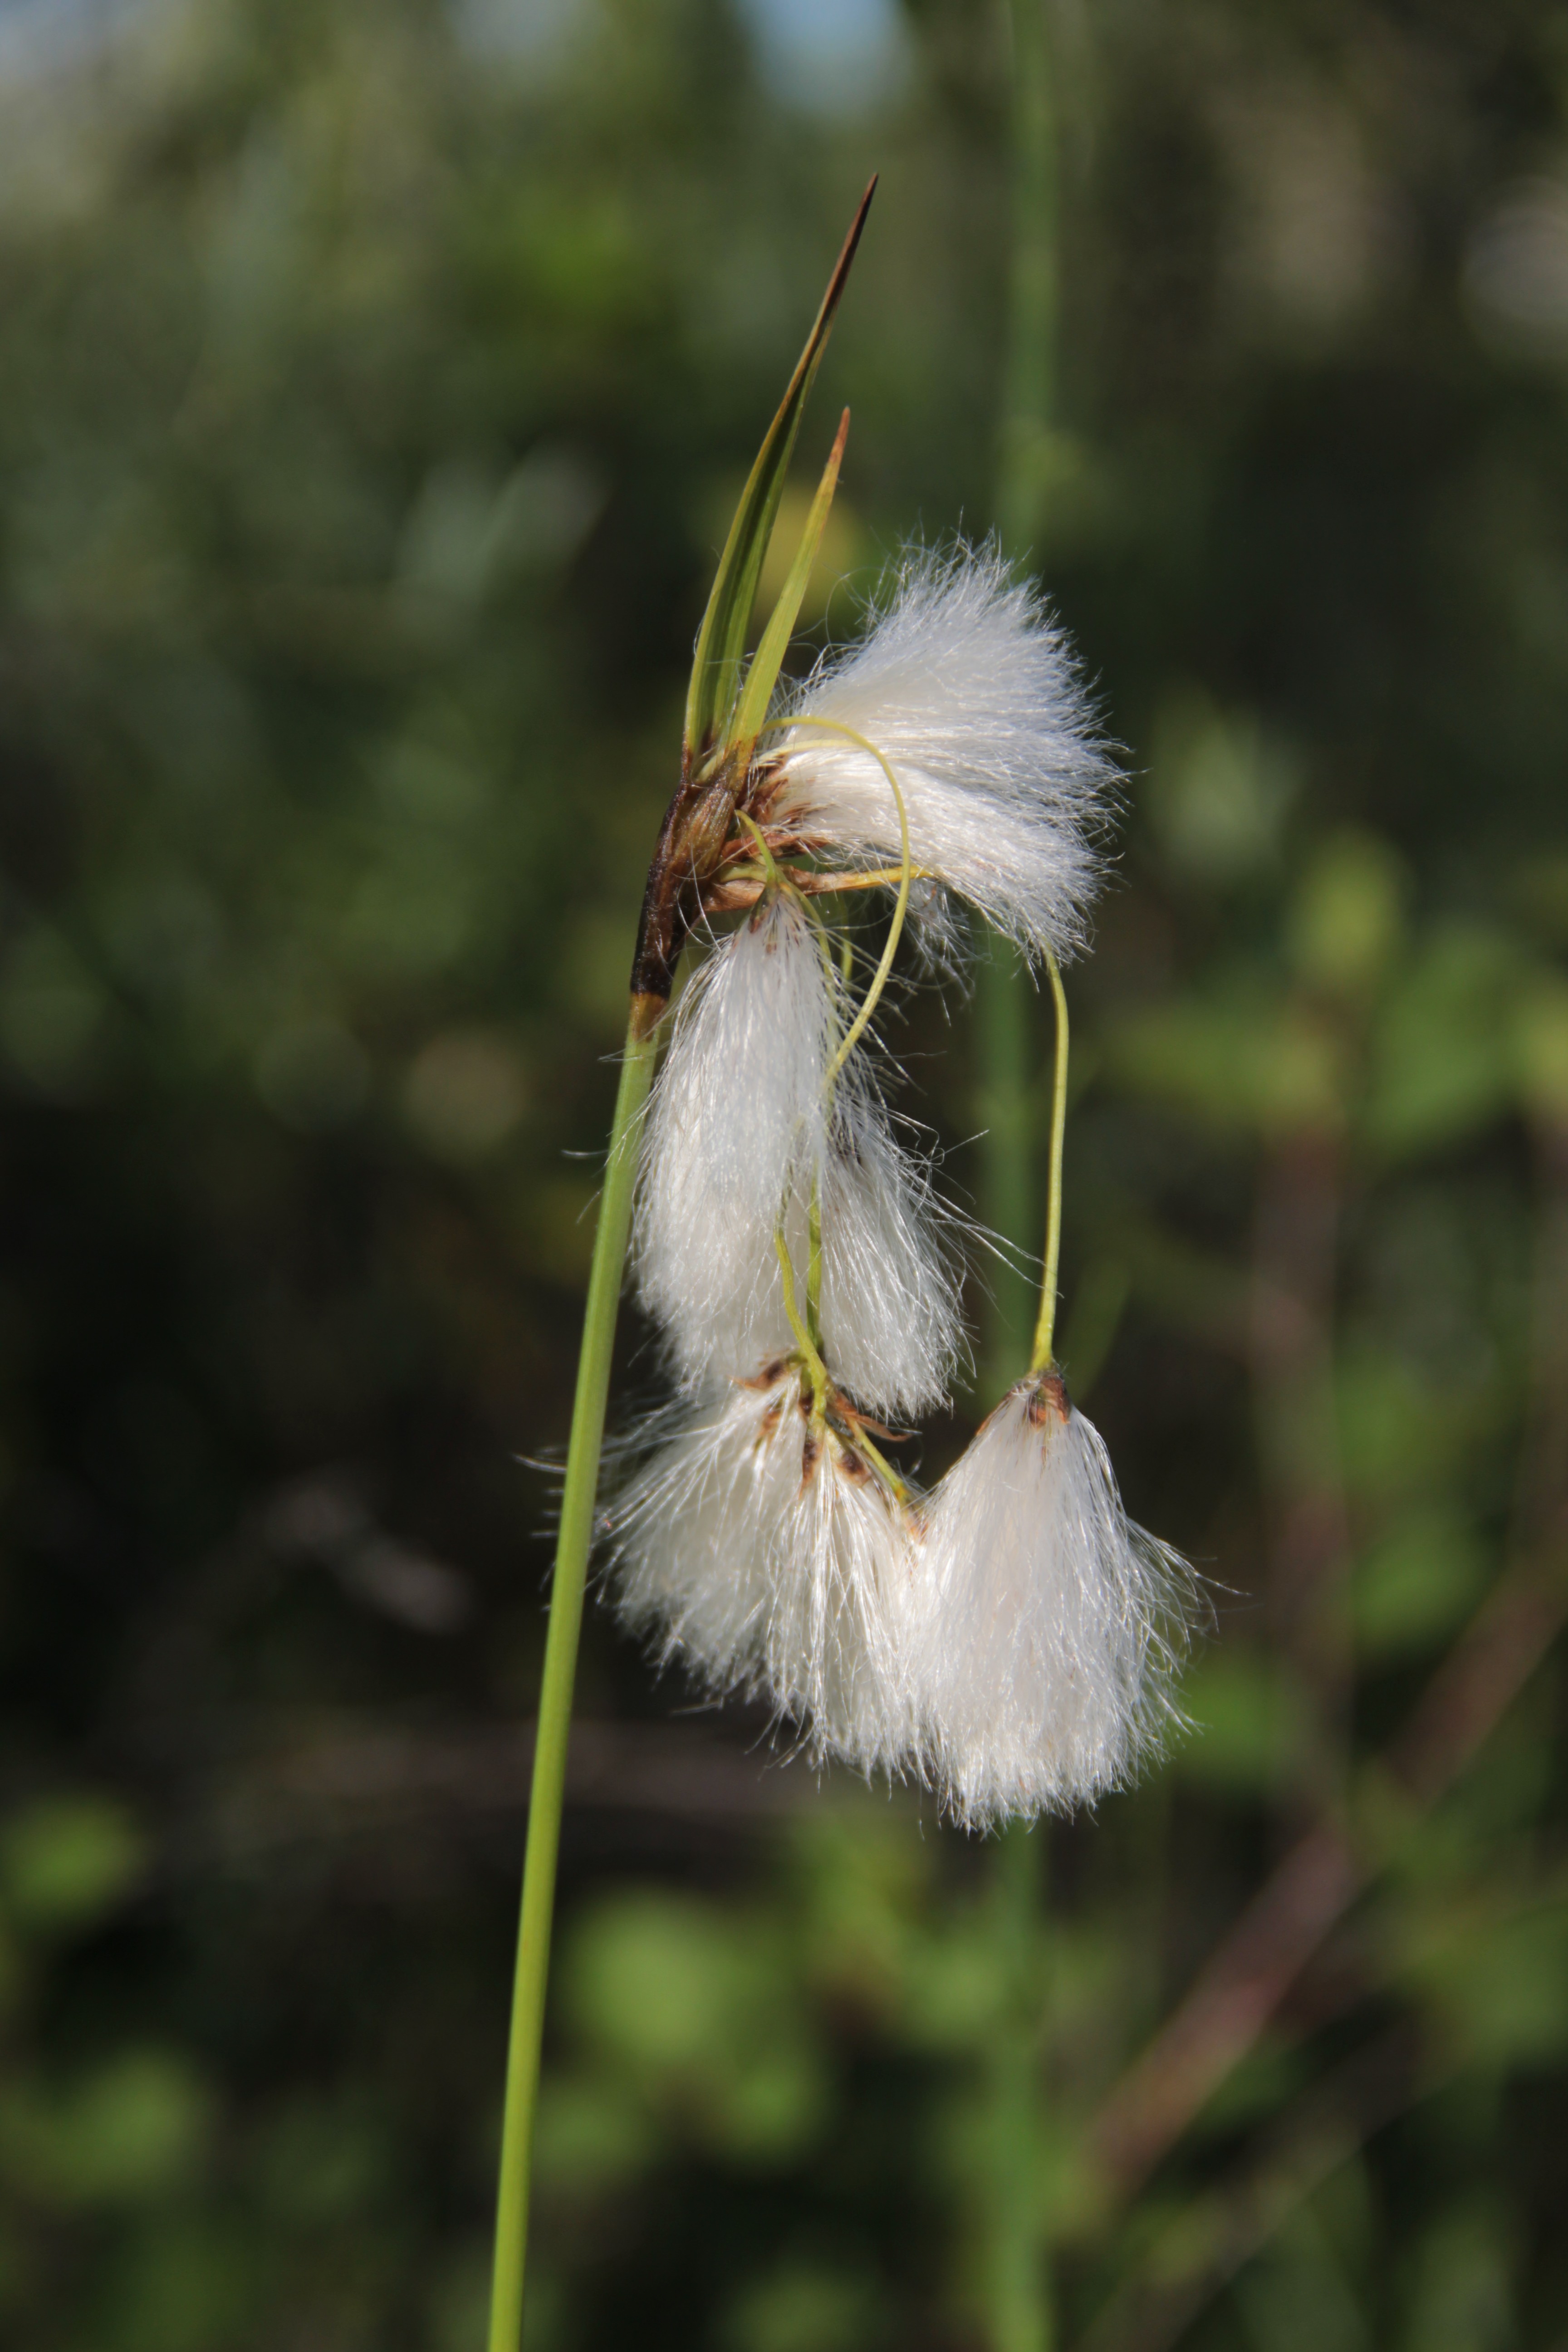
{"x": 1049, "y": 1623}
{"x": 972, "y": 694}
{"x": 740, "y": 1124}
{"x": 771, "y": 1559}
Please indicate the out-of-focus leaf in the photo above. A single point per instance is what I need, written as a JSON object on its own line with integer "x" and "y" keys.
{"x": 125, "y": 2133}
{"x": 1248, "y": 1723}
{"x": 1542, "y": 1045}
{"x": 68, "y": 1860}
{"x": 1218, "y": 792}
{"x": 661, "y": 1981}
{"x": 52, "y": 1013}
{"x": 859, "y": 1885}
{"x": 317, "y": 2161}
{"x": 956, "y": 1983}
{"x": 1442, "y": 1061}
{"x": 1267, "y": 2079}
{"x": 1460, "y": 2295}
{"x": 697, "y": 2007}
{"x": 1346, "y": 914}
{"x": 805, "y": 2306}
{"x": 1496, "y": 1976}
{"x": 773, "y": 2104}
{"x": 1297, "y": 2296}
{"x": 592, "y": 2135}
{"x": 1424, "y": 1579}
{"x": 1244, "y": 1063}
{"x": 1406, "y": 1432}
{"x": 181, "y": 2283}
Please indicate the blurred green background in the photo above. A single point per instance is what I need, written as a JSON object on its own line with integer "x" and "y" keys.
{"x": 375, "y": 380}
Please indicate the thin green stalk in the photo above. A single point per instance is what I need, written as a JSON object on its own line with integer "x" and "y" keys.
{"x": 577, "y": 1500}
{"x": 873, "y": 996}
{"x": 1017, "y": 2306}
{"x": 1003, "y": 1002}
{"x": 1045, "y": 1328}
{"x": 817, "y": 1370}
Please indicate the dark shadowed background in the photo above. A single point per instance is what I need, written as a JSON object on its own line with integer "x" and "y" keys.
{"x": 375, "y": 381}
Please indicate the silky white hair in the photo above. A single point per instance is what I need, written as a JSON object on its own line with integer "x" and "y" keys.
{"x": 740, "y": 1124}
{"x": 972, "y": 694}
{"x": 761, "y": 1550}
{"x": 1048, "y": 1626}
{"x": 1013, "y": 1641}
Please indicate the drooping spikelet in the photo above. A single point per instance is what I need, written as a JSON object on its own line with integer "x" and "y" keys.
{"x": 761, "y": 1547}
{"x": 972, "y": 694}
{"x": 740, "y": 1125}
{"x": 1048, "y": 1625}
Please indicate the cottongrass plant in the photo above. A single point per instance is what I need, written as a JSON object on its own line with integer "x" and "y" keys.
{"x": 1006, "y": 1641}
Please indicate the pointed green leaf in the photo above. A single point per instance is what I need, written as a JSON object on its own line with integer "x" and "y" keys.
{"x": 722, "y": 641}
{"x": 762, "y": 675}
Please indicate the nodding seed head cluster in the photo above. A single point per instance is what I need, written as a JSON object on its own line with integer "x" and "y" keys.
{"x": 1007, "y": 1638}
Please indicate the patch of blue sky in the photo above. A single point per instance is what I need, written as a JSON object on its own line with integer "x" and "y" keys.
{"x": 829, "y": 57}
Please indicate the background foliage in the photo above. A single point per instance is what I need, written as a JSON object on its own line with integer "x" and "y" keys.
{"x": 374, "y": 382}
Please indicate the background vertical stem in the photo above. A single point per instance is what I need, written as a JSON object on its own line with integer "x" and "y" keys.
{"x": 1016, "y": 2286}
{"x": 577, "y": 1500}
{"x": 1029, "y": 386}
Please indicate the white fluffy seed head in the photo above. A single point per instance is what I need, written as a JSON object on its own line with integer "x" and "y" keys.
{"x": 741, "y": 1124}
{"x": 1049, "y": 1624}
{"x": 763, "y": 1552}
{"x": 972, "y": 694}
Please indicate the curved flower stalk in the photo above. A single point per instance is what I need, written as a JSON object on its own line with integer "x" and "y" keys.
{"x": 766, "y": 1545}
{"x": 748, "y": 1133}
{"x": 1048, "y": 1623}
{"x": 1047, "y": 1626}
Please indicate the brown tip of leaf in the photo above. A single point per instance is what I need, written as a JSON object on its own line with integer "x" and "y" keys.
{"x": 846, "y": 254}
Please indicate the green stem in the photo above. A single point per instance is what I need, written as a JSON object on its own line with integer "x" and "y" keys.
{"x": 1003, "y": 1002}
{"x": 577, "y": 1500}
{"x": 873, "y": 996}
{"x": 1044, "y": 1329}
{"x": 806, "y": 1346}
{"x": 814, "y": 1264}
{"x": 1019, "y": 2307}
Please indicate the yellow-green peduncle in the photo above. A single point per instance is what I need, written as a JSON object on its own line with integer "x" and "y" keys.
{"x": 1044, "y": 1329}
{"x": 810, "y": 1355}
{"x": 872, "y": 997}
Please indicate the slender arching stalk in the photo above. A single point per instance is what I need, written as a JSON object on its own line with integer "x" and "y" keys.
{"x": 1045, "y": 1328}
{"x": 549, "y": 1787}
{"x": 869, "y": 1002}
{"x": 817, "y": 1370}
